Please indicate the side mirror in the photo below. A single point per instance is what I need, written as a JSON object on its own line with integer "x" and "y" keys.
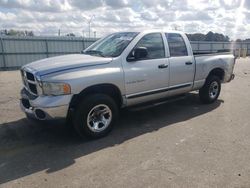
{"x": 138, "y": 53}
{"x": 141, "y": 53}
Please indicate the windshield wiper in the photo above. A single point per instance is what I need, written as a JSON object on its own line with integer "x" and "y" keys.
{"x": 92, "y": 52}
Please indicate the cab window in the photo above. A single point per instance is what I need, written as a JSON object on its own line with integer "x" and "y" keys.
{"x": 154, "y": 44}
{"x": 177, "y": 46}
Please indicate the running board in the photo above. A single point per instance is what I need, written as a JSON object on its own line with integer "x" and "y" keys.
{"x": 158, "y": 102}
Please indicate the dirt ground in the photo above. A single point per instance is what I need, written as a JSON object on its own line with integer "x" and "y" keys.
{"x": 178, "y": 144}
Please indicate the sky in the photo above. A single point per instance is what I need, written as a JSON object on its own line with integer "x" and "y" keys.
{"x": 46, "y": 17}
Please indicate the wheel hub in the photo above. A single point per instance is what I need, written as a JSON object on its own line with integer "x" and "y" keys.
{"x": 213, "y": 90}
{"x": 99, "y": 118}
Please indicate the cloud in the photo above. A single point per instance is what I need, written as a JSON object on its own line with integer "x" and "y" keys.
{"x": 86, "y": 4}
{"x": 230, "y": 4}
{"x": 46, "y": 17}
{"x": 36, "y": 5}
{"x": 194, "y": 16}
{"x": 116, "y": 3}
{"x": 151, "y": 16}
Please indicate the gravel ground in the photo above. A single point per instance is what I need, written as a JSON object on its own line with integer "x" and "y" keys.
{"x": 177, "y": 144}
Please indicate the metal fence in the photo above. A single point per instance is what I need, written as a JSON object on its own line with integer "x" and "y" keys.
{"x": 210, "y": 47}
{"x": 18, "y": 51}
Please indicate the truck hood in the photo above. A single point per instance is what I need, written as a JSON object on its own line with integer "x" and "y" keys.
{"x": 65, "y": 62}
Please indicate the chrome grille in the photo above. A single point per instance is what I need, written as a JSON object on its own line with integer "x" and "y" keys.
{"x": 29, "y": 81}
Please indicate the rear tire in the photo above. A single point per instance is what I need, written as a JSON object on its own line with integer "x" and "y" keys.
{"x": 95, "y": 116}
{"x": 211, "y": 90}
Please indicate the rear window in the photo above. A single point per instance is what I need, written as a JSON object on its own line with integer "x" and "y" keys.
{"x": 177, "y": 46}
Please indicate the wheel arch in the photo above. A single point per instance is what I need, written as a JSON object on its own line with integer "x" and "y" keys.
{"x": 106, "y": 88}
{"x": 217, "y": 72}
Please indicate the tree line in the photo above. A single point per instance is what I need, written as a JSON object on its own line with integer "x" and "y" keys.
{"x": 13, "y": 32}
{"x": 210, "y": 36}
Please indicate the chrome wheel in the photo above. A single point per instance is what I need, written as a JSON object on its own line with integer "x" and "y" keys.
{"x": 213, "y": 90}
{"x": 99, "y": 118}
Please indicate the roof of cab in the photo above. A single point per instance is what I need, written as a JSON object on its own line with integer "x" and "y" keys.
{"x": 153, "y": 31}
{"x": 161, "y": 30}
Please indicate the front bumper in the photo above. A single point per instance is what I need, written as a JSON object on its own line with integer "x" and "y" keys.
{"x": 45, "y": 107}
{"x": 45, "y": 113}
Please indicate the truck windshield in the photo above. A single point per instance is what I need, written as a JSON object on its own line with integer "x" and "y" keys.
{"x": 112, "y": 45}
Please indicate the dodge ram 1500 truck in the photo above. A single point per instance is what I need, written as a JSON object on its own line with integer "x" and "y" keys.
{"x": 120, "y": 70}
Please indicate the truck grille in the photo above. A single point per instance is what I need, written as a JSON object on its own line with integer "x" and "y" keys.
{"x": 29, "y": 81}
{"x": 30, "y": 76}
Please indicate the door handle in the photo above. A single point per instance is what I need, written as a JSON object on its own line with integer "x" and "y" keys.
{"x": 163, "y": 66}
{"x": 188, "y": 63}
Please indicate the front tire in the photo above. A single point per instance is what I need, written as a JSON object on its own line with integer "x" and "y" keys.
{"x": 211, "y": 90}
{"x": 95, "y": 116}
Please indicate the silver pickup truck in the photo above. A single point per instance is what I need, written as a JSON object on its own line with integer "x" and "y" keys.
{"x": 120, "y": 70}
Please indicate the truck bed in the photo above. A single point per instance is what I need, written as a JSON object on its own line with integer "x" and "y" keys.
{"x": 210, "y": 61}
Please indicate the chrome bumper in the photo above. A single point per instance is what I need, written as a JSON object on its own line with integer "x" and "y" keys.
{"x": 45, "y": 107}
{"x": 45, "y": 113}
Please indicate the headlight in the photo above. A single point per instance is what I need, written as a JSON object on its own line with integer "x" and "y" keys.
{"x": 50, "y": 88}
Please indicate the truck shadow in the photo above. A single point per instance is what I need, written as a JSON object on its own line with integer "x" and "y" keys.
{"x": 27, "y": 148}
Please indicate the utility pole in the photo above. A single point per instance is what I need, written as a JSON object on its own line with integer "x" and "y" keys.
{"x": 94, "y": 34}
{"x": 89, "y": 22}
{"x": 59, "y": 32}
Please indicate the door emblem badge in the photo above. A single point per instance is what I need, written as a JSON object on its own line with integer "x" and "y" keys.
{"x": 135, "y": 81}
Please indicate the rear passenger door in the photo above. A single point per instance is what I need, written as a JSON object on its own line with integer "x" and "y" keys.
{"x": 181, "y": 62}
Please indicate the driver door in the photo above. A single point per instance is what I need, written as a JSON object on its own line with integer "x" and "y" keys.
{"x": 147, "y": 78}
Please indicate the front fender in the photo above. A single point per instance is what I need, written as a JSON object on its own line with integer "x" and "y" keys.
{"x": 83, "y": 78}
